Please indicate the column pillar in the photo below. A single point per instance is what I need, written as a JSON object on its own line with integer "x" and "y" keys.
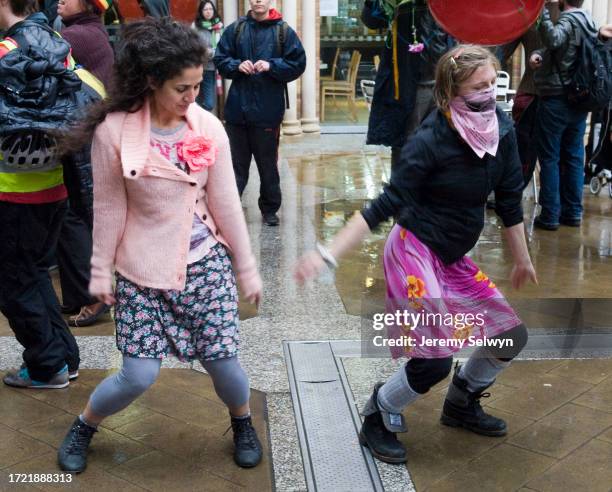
{"x": 230, "y": 14}
{"x": 291, "y": 125}
{"x": 310, "y": 121}
{"x": 600, "y": 12}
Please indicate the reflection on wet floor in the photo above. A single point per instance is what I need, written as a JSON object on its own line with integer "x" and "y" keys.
{"x": 570, "y": 263}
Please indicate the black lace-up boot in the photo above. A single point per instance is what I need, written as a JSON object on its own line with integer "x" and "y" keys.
{"x": 247, "y": 450}
{"x": 462, "y": 409}
{"x": 72, "y": 454}
{"x": 378, "y": 431}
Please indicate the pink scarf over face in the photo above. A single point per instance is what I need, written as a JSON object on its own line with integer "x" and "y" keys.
{"x": 474, "y": 118}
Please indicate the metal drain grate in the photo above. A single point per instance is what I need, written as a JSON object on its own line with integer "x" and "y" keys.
{"x": 333, "y": 458}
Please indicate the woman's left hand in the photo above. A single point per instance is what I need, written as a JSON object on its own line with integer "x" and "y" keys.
{"x": 521, "y": 273}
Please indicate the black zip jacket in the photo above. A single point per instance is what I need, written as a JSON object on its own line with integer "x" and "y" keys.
{"x": 439, "y": 189}
{"x": 258, "y": 99}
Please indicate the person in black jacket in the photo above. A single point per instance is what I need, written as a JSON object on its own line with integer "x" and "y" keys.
{"x": 32, "y": 193}
{"x": 559, "y": 125}
{"x": 437, "y": 193}
{"x": 91, "y": 49}
{"x": 261, "y": 54}
{"x": 398, "y": 109}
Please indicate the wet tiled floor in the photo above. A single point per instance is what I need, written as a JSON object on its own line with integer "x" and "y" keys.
{"x": 558, "y": 411}
{"x": 570, "y": 263}
{"x": 172, "y": 438}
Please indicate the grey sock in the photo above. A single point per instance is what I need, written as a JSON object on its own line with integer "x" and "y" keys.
{"x": 481, "y": 369}
{"x": 396, "y": 394}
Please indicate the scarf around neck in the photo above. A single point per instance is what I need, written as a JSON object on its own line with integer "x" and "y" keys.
{"x": 474, "y": 117}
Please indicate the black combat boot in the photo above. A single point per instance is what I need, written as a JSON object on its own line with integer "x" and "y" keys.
{"x": 462, "y": 409}
{"x": 379, "y": 429}
{"x": 72, "y": 454}
{"x": 247, "y": 450}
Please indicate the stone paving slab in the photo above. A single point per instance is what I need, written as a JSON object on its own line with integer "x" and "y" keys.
{"x": 559, "y": 439}
{"x": 170, "y": 439}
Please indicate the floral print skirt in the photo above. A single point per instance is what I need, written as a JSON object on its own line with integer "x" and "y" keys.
{"x": 442, "y": 308}
{"x": 199, "y": 322}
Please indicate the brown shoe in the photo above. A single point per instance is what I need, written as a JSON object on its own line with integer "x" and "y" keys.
{"x": 89, "y": 314}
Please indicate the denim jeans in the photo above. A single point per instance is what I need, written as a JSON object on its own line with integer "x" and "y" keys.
{"x": 560, "y": 130}
{"x": 208, "y": 90}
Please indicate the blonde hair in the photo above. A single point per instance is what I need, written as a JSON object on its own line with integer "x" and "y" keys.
{"x": 456, "y": 67}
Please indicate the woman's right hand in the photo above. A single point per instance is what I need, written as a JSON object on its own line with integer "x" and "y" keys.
{"x": 108, "y": 299}
{"x": 308, "y": 267}
{"x": 252, "y": 289}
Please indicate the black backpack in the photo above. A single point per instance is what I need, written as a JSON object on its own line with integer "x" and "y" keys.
{"x": 590, "y": 86}
{"x": 281, "y": 36}
{"x": 39, "y": 98}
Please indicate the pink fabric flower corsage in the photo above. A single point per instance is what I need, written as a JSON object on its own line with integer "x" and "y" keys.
{"x": 416, "y": 47}
{"x": 197, "y": 151}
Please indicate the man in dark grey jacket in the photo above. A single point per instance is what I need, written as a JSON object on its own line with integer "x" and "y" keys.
{"x": 560, "y": 126}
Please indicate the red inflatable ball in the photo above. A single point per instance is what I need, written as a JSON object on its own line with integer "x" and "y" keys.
{"x": 487, "y": 22}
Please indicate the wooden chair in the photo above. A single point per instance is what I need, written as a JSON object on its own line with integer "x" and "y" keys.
{"x": 343, "y": 88}
{"x": 367, "y": 89}
{"x": 332, "y": 74}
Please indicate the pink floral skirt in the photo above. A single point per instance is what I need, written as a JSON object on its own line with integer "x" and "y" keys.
{"x": 438, "y": 309}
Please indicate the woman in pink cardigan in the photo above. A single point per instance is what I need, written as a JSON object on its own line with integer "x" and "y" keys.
{"x": 167, "y": 217}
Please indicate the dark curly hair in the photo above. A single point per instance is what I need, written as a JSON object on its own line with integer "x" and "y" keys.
{"x": 149, "y": 52}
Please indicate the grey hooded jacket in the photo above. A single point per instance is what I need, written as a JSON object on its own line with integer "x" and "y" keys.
{"x": 561, "y": 42}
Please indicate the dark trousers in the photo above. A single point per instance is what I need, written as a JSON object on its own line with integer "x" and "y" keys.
{"x": 262, "y": 143}
{"x": 423, "y": 105}
{"x": 524, "y": 113}
{"x": 208, "y": 90}
{"x": 28, "y": 238}
{"x": 74, "y": 250}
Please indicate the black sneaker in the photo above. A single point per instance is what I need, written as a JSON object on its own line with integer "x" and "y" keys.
{"x": 544, "y": 225}
{"x": 570, "y": 222}
{"x": 247, "y": 450}
{"x": 72, "y": 454}
{"x": 271, "y": 220}
{"x": 69, "y": 309}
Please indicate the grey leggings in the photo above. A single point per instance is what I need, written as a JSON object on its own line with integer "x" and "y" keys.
{"x": 137, "y": 374}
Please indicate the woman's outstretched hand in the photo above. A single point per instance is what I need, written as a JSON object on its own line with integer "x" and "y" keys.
{"x": 308, "y": 267}
{"x": 521, "y": 273}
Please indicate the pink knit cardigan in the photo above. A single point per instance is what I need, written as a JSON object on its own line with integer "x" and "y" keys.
{"x": 144, "y": 205}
